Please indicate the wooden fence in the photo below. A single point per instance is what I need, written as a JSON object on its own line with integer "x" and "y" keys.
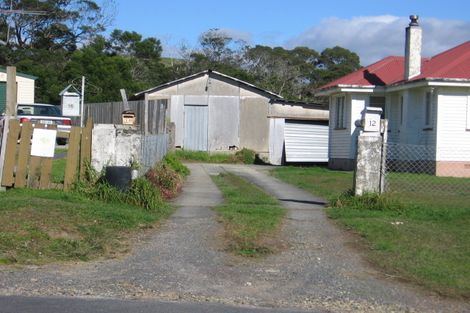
{"x": 23, "y": 170}
{"x": 151, "y": 118}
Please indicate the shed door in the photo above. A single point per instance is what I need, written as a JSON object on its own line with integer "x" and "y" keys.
{"x": 306, "y": 141}
{"x": 195, "y": 127}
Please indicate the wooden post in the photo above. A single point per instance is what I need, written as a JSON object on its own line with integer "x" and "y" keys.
{"x": 72, "y": 158}
{"x": 10, "y": 154}
{"x": 11, "y": 91}
{"x": 145, "y": 119}
{"x": 23, "y": 154}
{"x": 85, "y": 146}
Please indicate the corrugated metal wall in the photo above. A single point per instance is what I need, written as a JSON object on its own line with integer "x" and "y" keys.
{"x": 154, "y": 149}
{"x": 196, "y": 119}
{"x": 306, "y": 141}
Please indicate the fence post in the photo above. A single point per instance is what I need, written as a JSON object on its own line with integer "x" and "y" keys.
{"x": 368, "y": 164}
{"x": 146, "y": 114}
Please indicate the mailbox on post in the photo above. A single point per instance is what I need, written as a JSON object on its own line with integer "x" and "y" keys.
{"x": 372, "y": 119}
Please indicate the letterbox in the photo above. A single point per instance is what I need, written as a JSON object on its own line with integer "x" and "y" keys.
{"x": 372, "y": 119}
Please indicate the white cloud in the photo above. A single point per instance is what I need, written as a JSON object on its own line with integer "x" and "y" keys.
{"x": 375, "y": 37}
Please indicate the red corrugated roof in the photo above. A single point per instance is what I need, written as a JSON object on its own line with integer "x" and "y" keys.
{"x": 451, "y": 64}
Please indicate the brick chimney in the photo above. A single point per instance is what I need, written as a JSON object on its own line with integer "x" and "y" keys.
{"x": 414, "y": 35}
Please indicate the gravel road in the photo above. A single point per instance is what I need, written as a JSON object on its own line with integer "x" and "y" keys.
{"x": 184, "y": 260}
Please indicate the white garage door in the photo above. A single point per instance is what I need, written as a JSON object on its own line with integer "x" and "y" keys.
{"x": 306, "y": 141}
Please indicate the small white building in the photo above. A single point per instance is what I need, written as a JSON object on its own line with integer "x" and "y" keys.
{"x": 216, "y": 113}
{"x": 426, "y": 100}
{"x": 25, "y": 88}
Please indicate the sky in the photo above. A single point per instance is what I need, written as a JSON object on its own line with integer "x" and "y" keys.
{"x": 372, "y": 28}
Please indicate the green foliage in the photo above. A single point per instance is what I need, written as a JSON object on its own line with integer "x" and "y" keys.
{"x": 168, "y": 176}
{"x": 175, "y": 163}
{"x": 245, "y": 156}
{"x": 249, "y": 216}
{"x": 144, "y": 194}
{"x": 140, "y": 193}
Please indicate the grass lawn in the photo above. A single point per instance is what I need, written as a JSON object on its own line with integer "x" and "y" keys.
{"x": 242, "y": 156}
{"x": 251, "y": 216}
{"x": 417, "y": 235}
{"x": 43, "y": 226}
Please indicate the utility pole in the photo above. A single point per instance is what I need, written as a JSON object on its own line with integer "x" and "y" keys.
{"x": 82, "y": 102}
{"x": 21, "y": 12}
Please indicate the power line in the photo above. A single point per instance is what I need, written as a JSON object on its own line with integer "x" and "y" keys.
{"x": 23, "y": 12}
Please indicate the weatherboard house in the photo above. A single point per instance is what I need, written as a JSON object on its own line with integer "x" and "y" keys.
{"x": 215, "y": 112}
{"x": 24, "y": 86}
{"x": 426, "y": 101}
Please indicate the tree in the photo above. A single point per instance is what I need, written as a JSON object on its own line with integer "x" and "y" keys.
{"x": 335, "y": 63}
{"x": 60, "y": 25}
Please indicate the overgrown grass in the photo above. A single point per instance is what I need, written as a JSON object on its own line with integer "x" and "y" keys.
{"x": 251, "y": 217}
{"x": 415, "y": 235}
{"x": 320, "y": 181}
{"x": 43, "y": 226}
{"x": 244, "y": 156}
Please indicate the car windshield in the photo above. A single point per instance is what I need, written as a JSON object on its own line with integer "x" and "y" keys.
{"x": 43, "y": 110}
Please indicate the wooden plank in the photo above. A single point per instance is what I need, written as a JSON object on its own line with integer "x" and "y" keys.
{"x": 46, "y": 169}
{"x": 10, "y": 154}
{"x": 72, "y": 158}
{"x": 85, "y": 147}
{"x": 3, "y": 144}
{"x": 23, "y": 154}
{"x": 34, "y": 170}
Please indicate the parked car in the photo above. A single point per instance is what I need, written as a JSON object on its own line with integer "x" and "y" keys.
{"x": 47, "y": 114}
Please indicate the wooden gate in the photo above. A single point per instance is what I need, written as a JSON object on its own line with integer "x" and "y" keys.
{"x": 23, "y": 170}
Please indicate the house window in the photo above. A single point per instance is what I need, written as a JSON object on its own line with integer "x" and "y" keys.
{"x": 340, "y": 118}
{"x": 378, "y": 102}
{"x": 401, "y": 110}
{"x": 427, "y": 109}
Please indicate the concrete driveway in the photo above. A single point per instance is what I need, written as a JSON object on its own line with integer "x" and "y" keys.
{"x": 184, "y": 260}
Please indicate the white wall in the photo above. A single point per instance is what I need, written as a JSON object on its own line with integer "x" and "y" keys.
{"x": 340, "y": 139}
{"x": 114, "y": 145}
{"x": 177, "y": 117}
{"x": 276, "y": 140}
{"x": 25, "y": 93}
{"x": 453, "y": 137}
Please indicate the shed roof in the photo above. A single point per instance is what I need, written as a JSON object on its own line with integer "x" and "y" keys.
{"x": 453, "y": 64}
{"x": 212, "y": 73}
{"x": 3, "y": 69}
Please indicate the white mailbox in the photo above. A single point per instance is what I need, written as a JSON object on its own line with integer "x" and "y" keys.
{"x": 372, "y": 119}
{"x": 70, "y": 102}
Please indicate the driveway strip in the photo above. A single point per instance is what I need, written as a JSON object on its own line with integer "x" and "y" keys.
{"x": 184, "y": 260}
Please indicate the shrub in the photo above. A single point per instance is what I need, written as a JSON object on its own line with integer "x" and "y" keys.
{"x": 144, "y": 194}
{"x": 245, "y": 156}
{"x": 167, "y": 180}
{"x": 140, "y": 193}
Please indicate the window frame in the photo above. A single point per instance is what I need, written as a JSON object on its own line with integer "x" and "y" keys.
{"x": 340, "y": 116}
{"x": 428, "y": 109}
